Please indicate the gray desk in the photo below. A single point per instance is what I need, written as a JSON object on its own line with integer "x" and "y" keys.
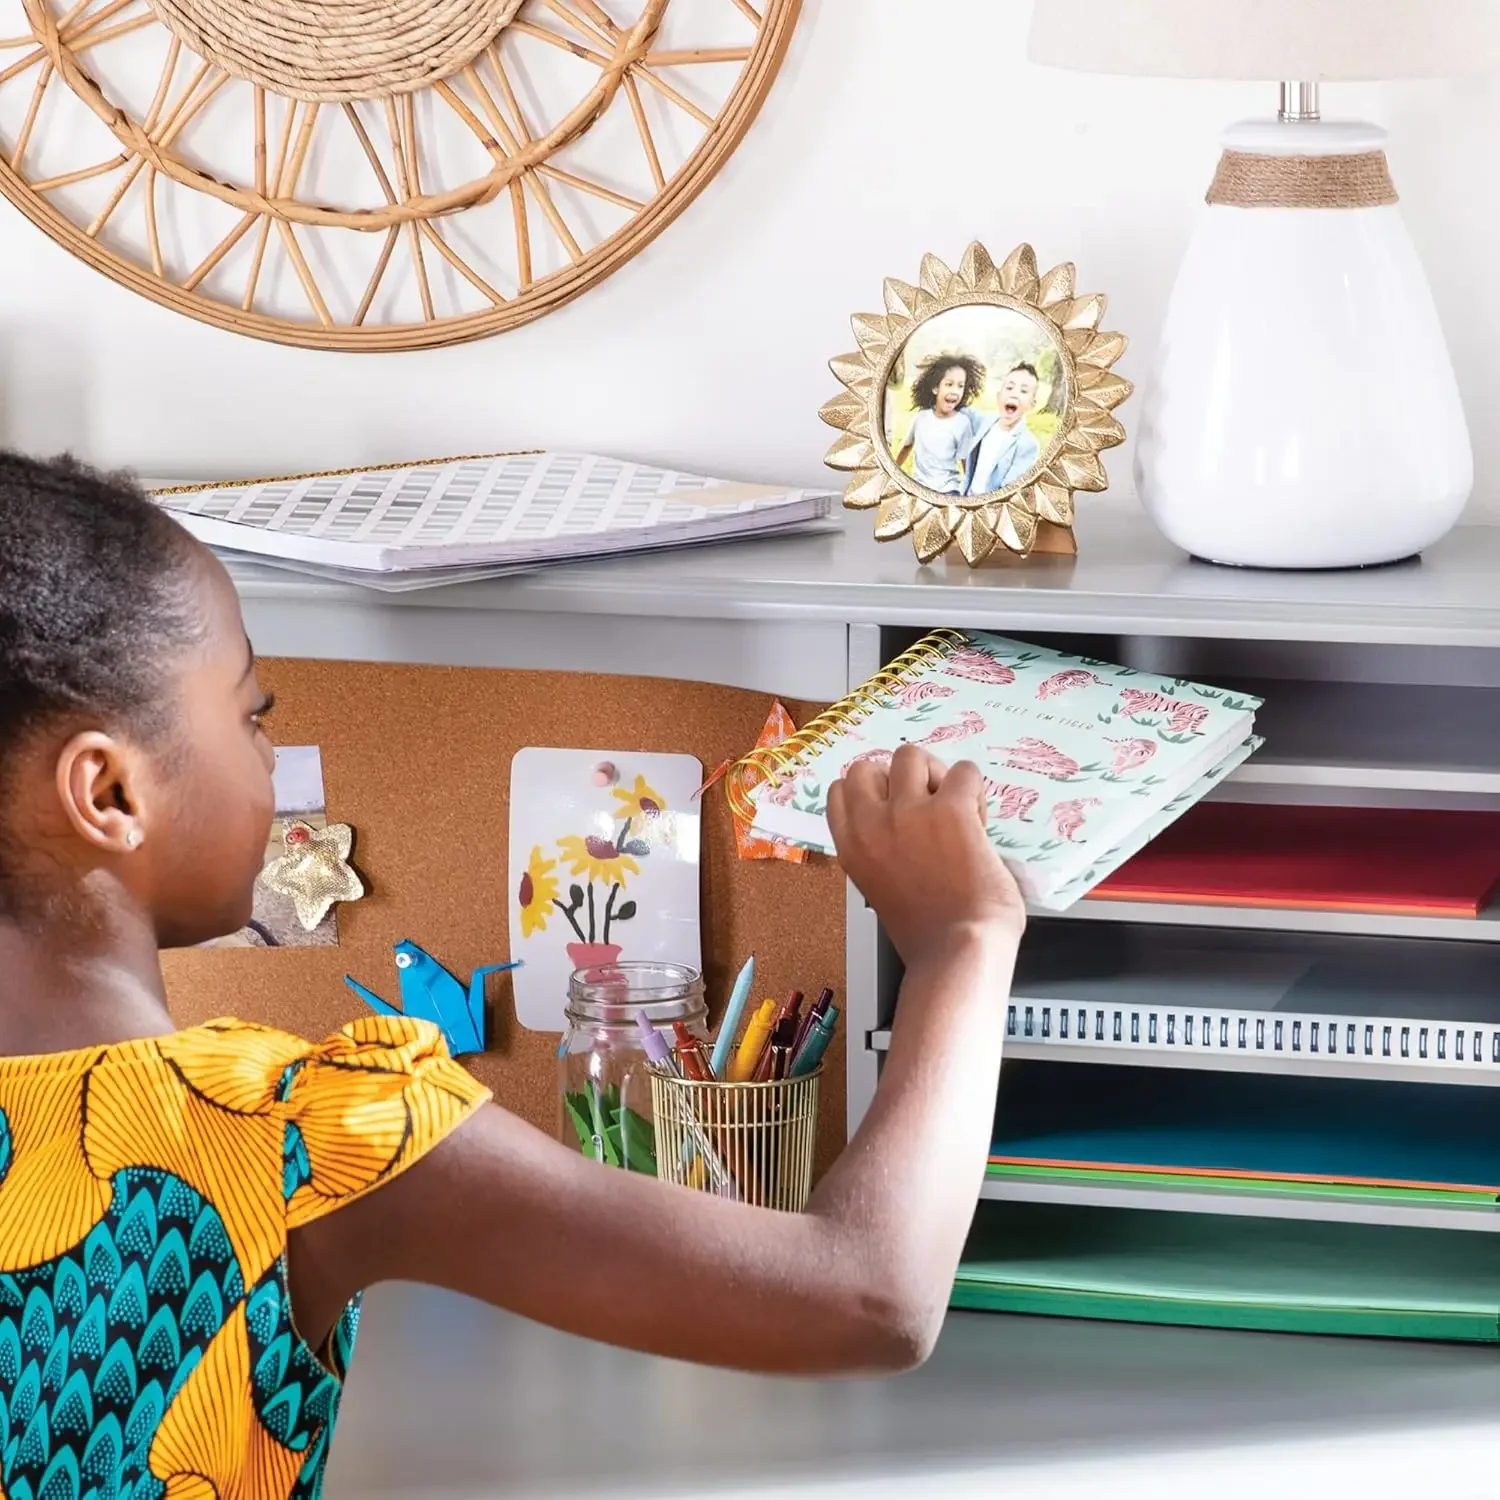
{"x": 450, "y": 1400}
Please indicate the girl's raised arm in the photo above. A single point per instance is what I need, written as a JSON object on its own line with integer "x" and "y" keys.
{"x": 856, "y": 1284}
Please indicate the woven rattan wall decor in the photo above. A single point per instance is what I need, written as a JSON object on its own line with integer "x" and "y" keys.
{"x": 372, "y": 174}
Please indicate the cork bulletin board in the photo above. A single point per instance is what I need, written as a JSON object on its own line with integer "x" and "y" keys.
{"x": 417, "y": 760}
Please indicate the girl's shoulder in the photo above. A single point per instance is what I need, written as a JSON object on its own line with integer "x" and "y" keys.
{"x": 249, "y": 1067}
{"x": 342, "y": 1114}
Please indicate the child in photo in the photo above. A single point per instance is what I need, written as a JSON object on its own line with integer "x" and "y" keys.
{"x": 191, "y": 1215}
{"x": 944, "y": 430}
{"x": 1008, "y": 448}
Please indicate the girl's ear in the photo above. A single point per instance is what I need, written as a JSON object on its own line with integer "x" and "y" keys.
{"x": 98, "y": 788}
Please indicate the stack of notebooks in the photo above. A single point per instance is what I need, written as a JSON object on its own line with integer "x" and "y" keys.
{"x": 462, "y": 519}
{"x": 1084, "y": 762}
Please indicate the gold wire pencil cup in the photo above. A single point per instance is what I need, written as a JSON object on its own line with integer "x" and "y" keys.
{"x": 761, "y": 1135}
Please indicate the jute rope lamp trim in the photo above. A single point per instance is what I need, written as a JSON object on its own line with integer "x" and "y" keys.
{"x": 1244, "y": 180}
{"x": 374, "y": 79}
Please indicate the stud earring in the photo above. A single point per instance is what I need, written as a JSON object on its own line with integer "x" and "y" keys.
{"x": 132, "y": 839}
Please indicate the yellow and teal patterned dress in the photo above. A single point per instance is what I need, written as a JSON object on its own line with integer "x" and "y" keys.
{"x": 146, "y": 1193}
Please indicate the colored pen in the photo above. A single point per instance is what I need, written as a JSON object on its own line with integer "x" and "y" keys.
{"x": 655, "y": 1047}
{"x": 659, "y": 1053}
{"x": 819, "y": 1034}
{"x": 791, "y": 1008}
{"x": 784, "y": 1031}
{"x": 778, "y": 1055}
{"x": 690, "y": 1058}
{"x": 692, "y": 1063}
{"x": 757, "y": 1034}
{"x": 729, "y": 1027}
{"x": 824, "y": 1001}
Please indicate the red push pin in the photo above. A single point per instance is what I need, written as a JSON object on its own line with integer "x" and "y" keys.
{"x": 605, "y": 773}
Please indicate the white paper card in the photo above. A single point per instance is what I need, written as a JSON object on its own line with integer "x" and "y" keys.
{"x": 601, "y": 870}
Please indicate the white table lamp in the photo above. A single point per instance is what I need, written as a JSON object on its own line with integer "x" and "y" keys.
{"x": 1267, "y": 436}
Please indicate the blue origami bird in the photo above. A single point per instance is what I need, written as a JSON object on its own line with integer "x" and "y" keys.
{"x": 430, "y": 993}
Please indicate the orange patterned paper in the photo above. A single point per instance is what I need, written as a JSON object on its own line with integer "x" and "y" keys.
{"x": 778, "y": 727}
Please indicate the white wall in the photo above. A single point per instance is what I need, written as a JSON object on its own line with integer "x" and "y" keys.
{"x": 897, "y": 127}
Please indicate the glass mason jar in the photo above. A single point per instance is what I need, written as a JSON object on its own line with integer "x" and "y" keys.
{"x": 604, "y": 1078}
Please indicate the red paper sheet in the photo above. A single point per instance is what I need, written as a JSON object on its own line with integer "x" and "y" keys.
{"x": 1391, "y": 861}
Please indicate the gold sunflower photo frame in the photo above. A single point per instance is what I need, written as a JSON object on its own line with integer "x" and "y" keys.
{"x": 976, "y": 406}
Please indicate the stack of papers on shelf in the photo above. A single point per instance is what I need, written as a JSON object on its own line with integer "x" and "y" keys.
{"x": 1243, "y": 1132}
{"x": 457, "y": 520}
{"x": 1084, "y": 762}
{"x": 1393, "y": 861}
{"x": 1231, "y": 1272}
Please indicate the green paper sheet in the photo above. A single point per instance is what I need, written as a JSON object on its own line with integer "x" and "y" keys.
{"x": 1230, "y": 1272}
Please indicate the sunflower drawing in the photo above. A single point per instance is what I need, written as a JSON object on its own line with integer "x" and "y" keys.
{"x": 593, "y": 858}
{"x": 643, "y": 808}
{"x": 536, "y": 893}
{"x": 601, "y": 861}
{"x": 607, "y": 857}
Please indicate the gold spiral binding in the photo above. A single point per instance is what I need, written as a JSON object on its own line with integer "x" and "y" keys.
{"x": 771, "y": 763}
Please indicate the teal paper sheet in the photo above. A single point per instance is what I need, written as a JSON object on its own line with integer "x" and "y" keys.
{"x": 1346, "y": 1129}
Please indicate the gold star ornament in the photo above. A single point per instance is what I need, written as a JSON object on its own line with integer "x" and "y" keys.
{"x": 977, "y": 403}
{"x": 314, "y": 872}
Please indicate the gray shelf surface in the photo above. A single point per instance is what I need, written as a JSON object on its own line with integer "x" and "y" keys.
{"x": 1317, "y": 974}
{"x": 1126, "y": 578}
{"x": 1166, "y": 969}
{"x": 1372, "y": 735}
{"x": 1308, "y": 973}
{"x": 450, "y": 1400}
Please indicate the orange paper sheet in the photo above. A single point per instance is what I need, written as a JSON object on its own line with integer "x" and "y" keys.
{"x": 778, "y": 728}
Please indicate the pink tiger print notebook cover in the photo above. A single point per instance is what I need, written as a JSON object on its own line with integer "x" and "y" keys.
{"x": 1085, "y": 762}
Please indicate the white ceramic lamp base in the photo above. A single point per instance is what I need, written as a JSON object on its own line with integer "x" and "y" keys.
{"x": 1302, "y": 411}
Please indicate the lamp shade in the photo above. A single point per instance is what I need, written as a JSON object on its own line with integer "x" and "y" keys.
{"x": 1307, "y": 40}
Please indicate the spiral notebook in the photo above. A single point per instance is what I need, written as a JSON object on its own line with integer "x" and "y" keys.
{"x": 1084, "y": 762}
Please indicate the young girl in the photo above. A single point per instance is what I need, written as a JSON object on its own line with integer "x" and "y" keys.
{"x": 945, "y": 428}
{"x": 188, "y": 1218}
